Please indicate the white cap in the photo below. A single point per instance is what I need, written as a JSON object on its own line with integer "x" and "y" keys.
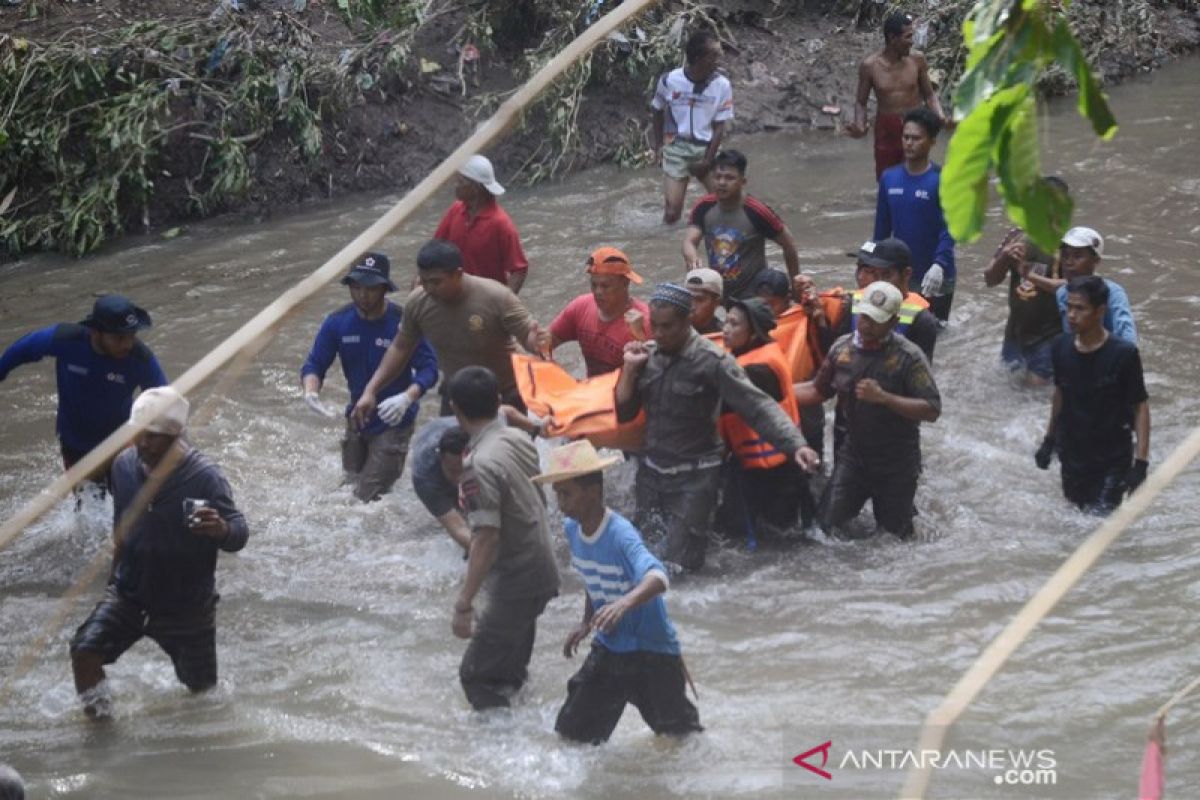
{"x": 162, "y": 409}
{"x": 708, "y": 280}
{"x": 479, "y": 169}
{"x": 880, "y": 301}
{"x": 1084, "y": 237}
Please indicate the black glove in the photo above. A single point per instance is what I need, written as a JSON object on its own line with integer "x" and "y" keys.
{"x": 1046, "y": 452}
{"x": 1136, "y": 475}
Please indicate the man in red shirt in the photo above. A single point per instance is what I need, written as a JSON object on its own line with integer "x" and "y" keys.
{"x": 604, "y": 320}
{"x": 482, "y": 229}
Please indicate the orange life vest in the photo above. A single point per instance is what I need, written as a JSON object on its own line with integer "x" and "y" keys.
{"x": 751, "y": 449}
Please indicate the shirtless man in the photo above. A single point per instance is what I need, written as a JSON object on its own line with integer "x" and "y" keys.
{"x": 900, "y": 79}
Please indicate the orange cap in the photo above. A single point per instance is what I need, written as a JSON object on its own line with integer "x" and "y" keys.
{"x": 611, "y": 261}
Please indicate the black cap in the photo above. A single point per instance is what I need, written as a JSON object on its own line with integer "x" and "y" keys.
{"x": 761, "y": 318}
{"x": 886, "y": 253}
{"x": 113, "y": 313}
{"x": 372, "y": 269}
{"x": 773, "y": 282}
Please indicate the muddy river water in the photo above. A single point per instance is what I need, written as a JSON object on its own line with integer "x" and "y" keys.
{"x": 338, "y": 668}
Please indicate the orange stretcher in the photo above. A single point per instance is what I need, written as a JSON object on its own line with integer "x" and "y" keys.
{"x": 587, "y": 408}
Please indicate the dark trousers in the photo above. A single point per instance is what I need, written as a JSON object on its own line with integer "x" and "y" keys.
{"x": 752, "y": 497}
{"x": 891, "y": 491}
{"x": 678, "y": 508}
{"x": 189, "y": 638}
{"x": 496, "y": 662}
{"x": 99, "y": 476}
{"x": 598, "y": 692}
{"x": 940, "y": 306}
{"x": 1097, "y": 489}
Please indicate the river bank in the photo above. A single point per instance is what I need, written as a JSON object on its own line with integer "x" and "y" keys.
{"x": 143, "y": 117}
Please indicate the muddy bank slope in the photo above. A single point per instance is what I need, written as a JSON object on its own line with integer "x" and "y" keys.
{"x": 124, "y": 116}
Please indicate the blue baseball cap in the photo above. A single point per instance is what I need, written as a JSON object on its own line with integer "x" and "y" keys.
{"x": 372, "y": 269}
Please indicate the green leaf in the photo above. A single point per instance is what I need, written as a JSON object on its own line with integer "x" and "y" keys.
{"x": 1092, "y": 103}
{"x": 964, "y": 184}
{"x": 987, "y": 18}
{"x": 1018, "y": 163}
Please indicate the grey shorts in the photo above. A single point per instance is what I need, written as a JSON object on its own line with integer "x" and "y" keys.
{"x": 681, "y": 154}
{"x": 375, "y": 462}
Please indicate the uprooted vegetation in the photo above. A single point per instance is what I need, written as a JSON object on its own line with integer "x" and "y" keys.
{"x": 111, "y": 128}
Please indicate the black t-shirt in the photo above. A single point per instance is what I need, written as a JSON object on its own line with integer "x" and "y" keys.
{"x": 1100, "y": 394}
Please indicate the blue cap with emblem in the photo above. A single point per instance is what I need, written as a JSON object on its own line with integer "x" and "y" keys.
{"x": 372, "y": 269}
{"x": 114, "y": 313}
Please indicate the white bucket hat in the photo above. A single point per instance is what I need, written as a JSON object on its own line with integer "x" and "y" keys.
{"x": 479, "y": 169}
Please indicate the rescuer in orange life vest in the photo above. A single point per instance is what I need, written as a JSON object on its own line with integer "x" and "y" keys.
{"x": 762, "y": 487}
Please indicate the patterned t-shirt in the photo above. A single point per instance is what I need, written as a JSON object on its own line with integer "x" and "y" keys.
{"x": 736, "y": 240}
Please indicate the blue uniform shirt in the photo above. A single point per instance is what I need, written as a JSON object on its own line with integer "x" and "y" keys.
{"x": 360, "y": 344}
{"x": 612, "y": 562}
{"x": 909, "y": 207}
{"x": 95, "y": 392}
{"x": 1118, "y": 317}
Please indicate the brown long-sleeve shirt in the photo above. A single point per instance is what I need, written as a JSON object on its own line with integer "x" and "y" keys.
{"x": 682, "y": 395}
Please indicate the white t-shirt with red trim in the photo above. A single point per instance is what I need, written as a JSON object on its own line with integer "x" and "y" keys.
{"x": 693, "y": 108}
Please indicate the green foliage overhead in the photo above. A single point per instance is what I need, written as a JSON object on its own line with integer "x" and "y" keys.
{"x": 1011, "y": 43}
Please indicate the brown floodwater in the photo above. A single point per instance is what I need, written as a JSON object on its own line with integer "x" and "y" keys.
{"x": 338, "y": 668}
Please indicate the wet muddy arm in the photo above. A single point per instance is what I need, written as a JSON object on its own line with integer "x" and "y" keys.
{"x": 657, "y": 123}
{"x": 1055, "y": 407}
{"x": 791, "y": 258}
{"x": 457, "y": 529}
{"x": 1141, "y": 429}
{"x": 925, "y": 86}
{"x": 692, "y": 238}
{"x": 859, "y": 126}
{"x": 485, "y": 547}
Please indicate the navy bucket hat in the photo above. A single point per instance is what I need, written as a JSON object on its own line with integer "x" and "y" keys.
{"x": 114, "y": 313}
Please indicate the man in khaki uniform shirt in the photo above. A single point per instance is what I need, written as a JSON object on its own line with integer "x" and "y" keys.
{"x": 510, "y": 560}
{"x": 680, "y": 381}
{"x": 468, "y": 321}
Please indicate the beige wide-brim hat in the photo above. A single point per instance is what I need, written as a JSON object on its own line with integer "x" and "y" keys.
{"x": 572, "y": 460}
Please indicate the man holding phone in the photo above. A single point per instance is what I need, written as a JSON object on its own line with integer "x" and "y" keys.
{"x": 173, "y": 511}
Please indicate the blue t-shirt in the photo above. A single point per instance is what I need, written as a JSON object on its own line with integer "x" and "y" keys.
{"x": 612, "y": 562}
{"x": 1118, "y": 317}
{"x": 909, "y": 207}
{"x": 360, "y": 344}
{"x": 438, "y": 494}
{"x": 95, "y": 392}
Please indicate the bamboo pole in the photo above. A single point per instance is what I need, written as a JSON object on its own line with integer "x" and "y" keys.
{"x": 992, "y": 659}
{"x": 266, "y": 321}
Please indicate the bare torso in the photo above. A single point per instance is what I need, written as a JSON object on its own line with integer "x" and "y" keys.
{"x": 897, "y": 83}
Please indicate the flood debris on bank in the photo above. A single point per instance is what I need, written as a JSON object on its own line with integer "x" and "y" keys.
{"x": 120, "y": 116}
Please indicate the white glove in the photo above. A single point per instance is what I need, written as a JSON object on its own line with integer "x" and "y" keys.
{"x": 314, "y": 402}
{"x": 394, "y": 408}
{"x": 931, "y": 284}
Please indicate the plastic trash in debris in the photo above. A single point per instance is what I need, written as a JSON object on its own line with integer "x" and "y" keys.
{"x": 921, "y": 34}
{"x": 217, "y": 56}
